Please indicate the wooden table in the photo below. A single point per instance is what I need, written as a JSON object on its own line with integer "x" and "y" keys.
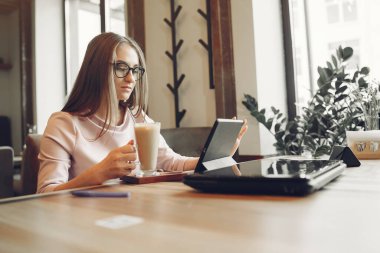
{"x": 344, "y": 217}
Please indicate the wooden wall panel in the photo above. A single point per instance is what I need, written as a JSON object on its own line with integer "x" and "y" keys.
{"x": 223, "y": 58}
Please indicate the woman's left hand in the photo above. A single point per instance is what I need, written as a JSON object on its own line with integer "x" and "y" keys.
{"x": 243, "y": 130}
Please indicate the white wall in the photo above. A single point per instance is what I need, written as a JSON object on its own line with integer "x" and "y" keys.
{"x": 245, "y": 70}
{"x": 259, "y": 66}
{"x": 270, "y": 63}
{"x": 49, "y": 59}
{"x": 10, "y": 95}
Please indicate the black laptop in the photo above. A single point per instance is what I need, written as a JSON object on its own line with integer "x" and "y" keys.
{"x": 217, "y": 171}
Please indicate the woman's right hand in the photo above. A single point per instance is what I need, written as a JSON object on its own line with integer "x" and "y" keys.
{"x": 119, "y": 162}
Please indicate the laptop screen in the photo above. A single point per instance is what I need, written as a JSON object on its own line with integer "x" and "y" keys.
{"x": 277, "y": 168}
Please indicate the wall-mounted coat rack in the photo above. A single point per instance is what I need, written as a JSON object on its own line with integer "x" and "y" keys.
{"x": 208, "y": 45}
{"x": 174, "y": 12}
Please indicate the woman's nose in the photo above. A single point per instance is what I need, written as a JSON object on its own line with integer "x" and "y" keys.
{"x": 129, "y": 77}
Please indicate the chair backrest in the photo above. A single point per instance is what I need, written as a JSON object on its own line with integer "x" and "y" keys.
{"x": 187, "y": 141}
{"x": 30, "y": 164}
{"x": 6, "y": 172}
{"x": 5, "y": 131}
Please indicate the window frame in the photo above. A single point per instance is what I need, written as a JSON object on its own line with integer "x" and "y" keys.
{"x": 289, "y": 60}
{"x": 134, "y": 22}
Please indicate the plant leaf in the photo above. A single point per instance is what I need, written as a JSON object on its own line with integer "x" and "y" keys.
{"x": 277, "y": 127}
{"x": 341, "y": 97}
{"x": 335, "y": 61}
{"x": 362, "y": 83}
{"x": 339, "y": 53}
{"x": 364, "y": 71}
{"x": 274, "y": 110}
{"x": 347, "y": 53}
{"x": 269, "y": 123}
{"x": 341, "y": 89}
{"x": 338, "y": 84}
{"x": 330, "y": 66}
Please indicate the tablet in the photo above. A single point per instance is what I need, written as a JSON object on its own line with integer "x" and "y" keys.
{"x": 268, "y": 176}
{"x": 220, "y": 141}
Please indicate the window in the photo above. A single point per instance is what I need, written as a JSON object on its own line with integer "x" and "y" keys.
{"x": 318, "y": 27}
{"x": 117, "y": 17}
{"x": 84, "y": 19}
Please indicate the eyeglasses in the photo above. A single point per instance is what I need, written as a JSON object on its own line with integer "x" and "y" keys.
{"x": 121, "y": 70}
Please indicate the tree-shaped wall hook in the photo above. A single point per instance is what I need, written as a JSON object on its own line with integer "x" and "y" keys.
{"x": 208, "y": 45}
{"x": 174, "y": 12}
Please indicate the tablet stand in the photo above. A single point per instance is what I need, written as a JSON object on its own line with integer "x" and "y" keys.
{"x": 345, "y": 154}
{"x": 219, "y": 163}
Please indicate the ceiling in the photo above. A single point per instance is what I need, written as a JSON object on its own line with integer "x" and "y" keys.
{"x": 8, "y": 6}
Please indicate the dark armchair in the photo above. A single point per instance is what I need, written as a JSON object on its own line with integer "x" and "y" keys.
{"x": 188, "y": 141}
{"x": 30, "y": 164}
{"x": 5, "y": 131}
{"x": 6, "y": 172}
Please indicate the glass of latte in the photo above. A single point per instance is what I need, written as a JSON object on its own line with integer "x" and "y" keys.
{"x": 147, "y": 139}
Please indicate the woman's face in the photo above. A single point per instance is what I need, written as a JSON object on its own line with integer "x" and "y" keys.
{"x": 126, "y": 57}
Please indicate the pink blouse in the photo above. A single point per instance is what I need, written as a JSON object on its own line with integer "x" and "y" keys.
{"x": 68, "y": 147}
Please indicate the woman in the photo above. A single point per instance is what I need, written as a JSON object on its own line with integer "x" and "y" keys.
{"x": 92, "y": 139}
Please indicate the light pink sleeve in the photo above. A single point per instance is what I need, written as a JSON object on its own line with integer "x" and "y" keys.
{"x": 167, "y": 159}
{"x": 57, "y": 143}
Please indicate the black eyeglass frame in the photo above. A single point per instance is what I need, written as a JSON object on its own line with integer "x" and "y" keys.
{"x": 141, "y": 69}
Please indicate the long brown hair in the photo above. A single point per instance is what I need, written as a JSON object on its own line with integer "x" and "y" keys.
{"x": 94, "y": 84}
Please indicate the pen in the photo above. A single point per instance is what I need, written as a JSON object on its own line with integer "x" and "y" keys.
{"x": 89, "y": 193}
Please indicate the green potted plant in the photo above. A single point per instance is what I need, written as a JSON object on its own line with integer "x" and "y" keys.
{"x": 342, "y": 102}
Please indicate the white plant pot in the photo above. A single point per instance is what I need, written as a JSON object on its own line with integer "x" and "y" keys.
{"x": 364, "y": 144}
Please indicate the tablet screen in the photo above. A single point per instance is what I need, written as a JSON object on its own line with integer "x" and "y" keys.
{"x": 220, "y": 141}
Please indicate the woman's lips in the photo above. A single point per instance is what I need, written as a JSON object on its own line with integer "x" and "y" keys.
{"x": 128, "y": 88}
